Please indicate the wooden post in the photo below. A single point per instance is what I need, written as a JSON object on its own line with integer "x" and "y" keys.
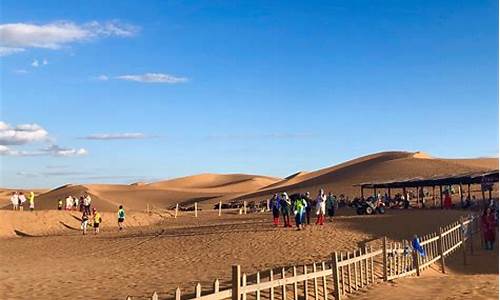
{"x": 244, "y": 284}
{"x": 257, "y": 293}
{"x": 268, "y": 205}
{"x": 216, "y": 286}
{"x": 462, "y": 235}
{"x": 336, "y": 281}
{"x": 198, "y": 290}
{"x": 306, "y": 296}
{"x": 441, "y": 195}
{"x": 236, "y": 282}
{"x": 196, "y": 209}
{"x": 176, "y": 210}
{"x": 154, "y": 296}
{"x": 371, "y": 266}
{"x": 461, "y": 195}
{"x": 271, "y": 290}
{"x": 315, "y": 283}
{"x": 374, "y": 192}
{"x": 349, "y": 274}
{"x": 367, "y": 273}
{"x": 389, "y": 192}
{"x": 177, "y": 293}
{"x": 384, "y": 258}
{"x": 468, "y": 191}
{"x": 325, "y": 289}
{"x": 295, "y": 290}
{"x": 441, "y": 250}
{"x": 362, "y": 194}
{"x": 341, "y": 269}
{"x": 283, "y": 287}
{"x": 220, "y": 208}
{"x": 245, "y": 207}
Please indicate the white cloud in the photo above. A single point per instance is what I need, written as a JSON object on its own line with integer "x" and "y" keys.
{"x": 35, "y": 63}
{"x": 102, "y": 77}
{"x": 45, "y": 62}
{"x": 17, "y": 37}
{"x": 21, "y": 71}
{"x": 24, "y": 134}
{"x": 21, "y": 134}
{"x": 153, "y": 78}
{"x": 116, "y": 136}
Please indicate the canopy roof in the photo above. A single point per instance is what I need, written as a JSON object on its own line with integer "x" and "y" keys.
{"x": 464, "y": 178}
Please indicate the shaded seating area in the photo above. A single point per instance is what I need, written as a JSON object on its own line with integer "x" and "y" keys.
{"x": 486, "y": 180}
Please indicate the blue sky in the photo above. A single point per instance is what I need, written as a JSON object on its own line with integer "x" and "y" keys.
{"x": 120, "y": 91}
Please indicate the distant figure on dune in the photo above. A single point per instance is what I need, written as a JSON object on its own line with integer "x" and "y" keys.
{"x": 69, "y": 203}
{"x": 285, "y": 209}
{"x": 275, "y": 205}
{"x": 85, "y": 222}
{"x": 488, "y": 224}
{"x": 320, "y": 207}
{"x": 80, "y": 200}
{"x": 14, "y": 199}
{"x": 22, "y": 199}
{"x": 96, "y": 220}
{"x": 121, "y": 217}
{"x": 32, "y": 201}
{"x": 87, "y": 201}
{"x": 75, "y": 203}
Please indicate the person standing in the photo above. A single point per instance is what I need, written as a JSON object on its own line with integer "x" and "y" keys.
{"x": 285, "y": 209}
{"x": 275, "y": 206}
{"x": 14, "y": 199}
{"x": 31, "y": 199}
{"x": 488, "y": 224}
{"x": 299, "y": 209}
{"x": 330, "y": 205}
{"x": 69, "y": 203}
{"x": 22, "y": 199}
{"x": 75, "y": 203}
{"x": 87, "y": 201}
{"x": 121, "y": 217}
{"x": 85, "y": 222}
{"x": 96, "y": 220}
{"x": 59, "y": 204}
{"x": 309, "y": 207}
{"x": 320, "y": 207}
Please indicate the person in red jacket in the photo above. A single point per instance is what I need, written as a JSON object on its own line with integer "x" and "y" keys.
{"x": 447, "y": 201}
{"x": 488, "y": 224}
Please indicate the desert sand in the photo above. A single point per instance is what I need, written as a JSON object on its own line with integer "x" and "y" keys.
{"x": 44, "y": 255}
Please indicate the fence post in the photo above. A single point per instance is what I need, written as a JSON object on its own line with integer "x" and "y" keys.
{"x": 384, "y": 258}
{"x": 462, "y": 235}
{"x": 441, "y": 250}
{"x": 236, "y": 281}
{"x": 154, "y": 296}
{"x": 196, "y": 209}
{"x": 245, "y": 207}
{"x": 416, "y": 263}
{"x": 176, "y": 210}
{"x": 197, "y": 290}
{"x": 178, "y": 294}
{"x": 336, "y": 279}
{"x": 220, "y": 208}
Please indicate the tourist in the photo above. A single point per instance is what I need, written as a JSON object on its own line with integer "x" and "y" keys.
{"x": 69, "y": 203}
{"x": 14, "y": 199}
{"x": 309, "y": 206}
{"x": 447, "y": 201}
{"x": 96, "y": 220}
{"x": 121, "y": 217}
{"x": 488, "y": 224}
{"x": 59, "y": 204}
{"x": 285, "y": 209}
{"x": 320, "y": 207}
{"x": 85, "y": 222}
{"x": 275, "y": 206}
{"x": 32, "y": 201}
{"x": 299, "y": 208}
{"x": 22, "y": 199}
{"x": 75, "y": 203}
{"x": 80, "y": 200}
{"x": 330, "y": 205}
{"x": 87, "y": 201}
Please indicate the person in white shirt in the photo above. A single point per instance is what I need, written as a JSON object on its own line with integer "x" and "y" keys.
{"x": 69, "y": 203}
{"x": 320, "y": 207}
{"x": 86, "y": 203}
{"x": 22, "y": 199}
{"x": 14, "y": 199}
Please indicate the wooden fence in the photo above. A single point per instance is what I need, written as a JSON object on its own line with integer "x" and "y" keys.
{"x": 345, "y": 273}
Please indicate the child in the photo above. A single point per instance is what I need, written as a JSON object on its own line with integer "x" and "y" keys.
{"x": 121, "y": 217}
{"x": 85, "y": 221}
{"x": 96, "y": 220}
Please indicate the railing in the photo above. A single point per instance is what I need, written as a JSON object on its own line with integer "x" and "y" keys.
{"x": 344, "y": 273}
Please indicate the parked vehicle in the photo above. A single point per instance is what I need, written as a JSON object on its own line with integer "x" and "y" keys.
{"x": 370, "y": 206}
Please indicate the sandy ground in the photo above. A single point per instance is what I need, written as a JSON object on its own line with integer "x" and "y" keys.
{"x": 183, "y": 251}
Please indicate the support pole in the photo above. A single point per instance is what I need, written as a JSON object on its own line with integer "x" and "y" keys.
{"x": 462, "y": 235}
{"x": 468, "y": 191}
{"x": 434, "y": 196}
{"x": 362, "y": 194}
{"x": 220, "y": 208}
{"x": 336, "y": 277}
{"x": 441, "y": 195}
{"x": 461, "y": 195}
{"x": 196, "y": 209}
{"x": 236, "y": 283}
{"x": 384, "y": 258}
{"x": 176, "y": 210}
{"x": 441, "y": 250}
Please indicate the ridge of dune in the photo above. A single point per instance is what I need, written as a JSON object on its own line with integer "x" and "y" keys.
{"x": 206, "y": 180}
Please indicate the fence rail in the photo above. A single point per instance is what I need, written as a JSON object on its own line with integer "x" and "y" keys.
{"x": 346, "y": 272}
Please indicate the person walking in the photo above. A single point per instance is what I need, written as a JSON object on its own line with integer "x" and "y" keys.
{"x": 299, "y": 209}
{"x": 31, "y": 199}
{"x": 285, "y": 209}
{"x": 275, "y": 206}
{"x": 22, "y": 199}
{"x": 14, "y": 199}
{"x": 488, "y": 224}
{"x": 320, "y": 207}
{"x": 96, "y": 220}
{"x": 85, "y": 222}
{"x": 121, "y": 217}
{"x": 87, "y": 201}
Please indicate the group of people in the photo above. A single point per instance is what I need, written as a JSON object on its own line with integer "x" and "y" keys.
{"x": 300, "y": 206}
{"x": 18, "y": 200}
{"x": 82, "y": 203}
